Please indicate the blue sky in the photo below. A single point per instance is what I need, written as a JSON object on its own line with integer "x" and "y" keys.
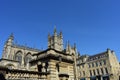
{"x": 94, "y": 25}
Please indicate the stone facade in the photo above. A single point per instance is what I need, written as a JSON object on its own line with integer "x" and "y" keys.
{"x": 20, "y": 62}
{"x": 102, "y": 66}
{"x": 54, "y": 63}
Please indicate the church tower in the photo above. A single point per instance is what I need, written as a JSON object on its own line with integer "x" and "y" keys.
{"x": 7, "y": 47}
{"x": 55, "y": 41}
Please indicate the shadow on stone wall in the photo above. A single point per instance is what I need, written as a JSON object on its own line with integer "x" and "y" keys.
{"x": 2, "y": 77}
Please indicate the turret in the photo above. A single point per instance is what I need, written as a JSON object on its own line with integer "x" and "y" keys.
{"x": 49, "y": 40}
{"x": 7, "y": 47}
{"x": 10, "y": 40}
{"x": 55, "y": 41}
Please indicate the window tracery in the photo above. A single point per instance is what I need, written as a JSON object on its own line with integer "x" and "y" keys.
{"x": 18, "y": 57}
{"x": 28, "y": 58}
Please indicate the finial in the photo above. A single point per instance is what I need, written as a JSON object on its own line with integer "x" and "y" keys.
{"x": 108, "y": 50}
{"x": 48, "y": 35}
{"x": 11, "y": 36}
{"x": 74, "y": 45}
{"x": 68, "y": 48}
{"x": 55, "y": 29}
{"x": 79, "y": 54}
{"x": 61, "y": 34}
{"x": 68, "y": 43}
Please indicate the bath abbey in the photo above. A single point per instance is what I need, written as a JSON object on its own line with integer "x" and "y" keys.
{"x": 57, "y": 62}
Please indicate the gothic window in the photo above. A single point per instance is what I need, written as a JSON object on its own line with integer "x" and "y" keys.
{"x": 18, "y": 57}
{"x": 27, "y": 58}
{"x": 104, "y": 62}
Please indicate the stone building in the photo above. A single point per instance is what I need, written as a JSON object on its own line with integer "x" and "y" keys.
{"x": 57, "y": 62}
{"x": 102, "y": 66}
{"x": 54, "y": 63}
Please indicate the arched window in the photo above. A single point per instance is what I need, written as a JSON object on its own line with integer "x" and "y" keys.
{"x": 27, "y": 58}
{"x": 18, "y": 57}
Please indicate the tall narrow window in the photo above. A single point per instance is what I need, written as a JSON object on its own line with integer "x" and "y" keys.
{"x": 27, "y": 58}
{"x": 102, "y": 71}
{"x": 98, "y": 71}
{"x": 83, "y": 73}
{"x": 90, "y": 73}
{"x": 18, "y": 57}
{"x": 94, "y": 72}
{"x": 106, "y": 70}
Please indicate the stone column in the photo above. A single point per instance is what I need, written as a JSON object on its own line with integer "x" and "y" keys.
{"x": 52, "y": 68}
{"x": 43, "y": 67}
{"x": 28, "y": 66}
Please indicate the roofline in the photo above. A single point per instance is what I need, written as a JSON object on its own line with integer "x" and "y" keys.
{"x": 50, "y": 49}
